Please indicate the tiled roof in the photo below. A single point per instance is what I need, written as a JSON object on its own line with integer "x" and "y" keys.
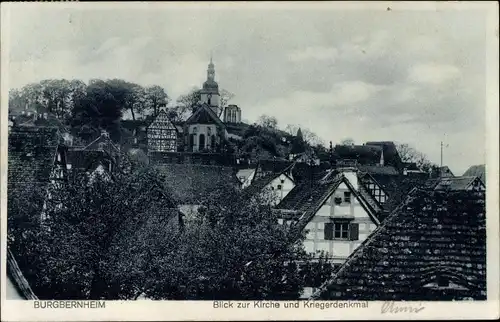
{"x": 303, "y": 172}
{"x": 454, "y": 183}
{"x": 477, "y": 171}
{"x": 192, "y": 183}
{"x": 374, "y": 169}
{"x": 265, "y": 167}
{"x": 31, "y": 155}
{"x": 17, "y": 278}
{"x": 263, "y": 178}
{"x": 204, "y": 115}
{"x": 431, "y": 234}
{"x": 364, "y": 154}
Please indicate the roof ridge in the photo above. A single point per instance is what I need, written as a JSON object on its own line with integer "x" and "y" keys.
{"x": 359, "y": 250}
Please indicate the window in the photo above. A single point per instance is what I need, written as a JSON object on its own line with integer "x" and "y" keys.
{"x": 195, "y": 129}
{"x": 280, "y": 187}
{"x": 282, "y": 180}
{"x": 338, "y": 200}
{"x": 347, "y": 196}
{"x": 341, "y": 230}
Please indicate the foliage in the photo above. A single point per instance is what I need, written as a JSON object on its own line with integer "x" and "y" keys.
{"x": 155, "y": 96}
{"x": 267, "y": 121}
{"x": 347, "y": 141}
{"x": 118, "y": 238}
{"x": 409, "y": 154}
{"x": 74, "y": 252}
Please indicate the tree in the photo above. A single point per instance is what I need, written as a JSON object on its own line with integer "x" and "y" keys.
{"x": 77, "y": 249}
{"x": 408, "y": 154}
{"x": 130, "y": 96}
{"x": 225, "y": 97}
{"x": 347, "y": 141}
{"x": 233, "y": 249}
{"x": 116, "y": 238}
{"x": 267, "y": 121}
{"x": 189, "y": 102}
{"x": 309, "y": 136}
{"x": 155, "y": 96}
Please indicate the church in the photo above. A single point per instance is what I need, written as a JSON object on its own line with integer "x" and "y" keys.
{"x": 204, "y": 132}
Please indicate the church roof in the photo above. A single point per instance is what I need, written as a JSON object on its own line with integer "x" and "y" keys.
{"x": 204, "y": 115}
{"x": 431, "y": 234}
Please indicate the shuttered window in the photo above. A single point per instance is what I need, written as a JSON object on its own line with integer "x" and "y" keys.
{"x": 353, "y": 231}
{"x": 328, "y": 231}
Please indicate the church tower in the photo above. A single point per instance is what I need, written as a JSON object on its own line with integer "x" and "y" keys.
{"x": 209, "y": 94}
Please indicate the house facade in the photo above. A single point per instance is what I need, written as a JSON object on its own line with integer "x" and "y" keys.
{"x": 335, "y": 215}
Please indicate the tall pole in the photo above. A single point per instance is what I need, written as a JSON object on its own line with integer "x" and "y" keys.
{"x": 441, "y": 154}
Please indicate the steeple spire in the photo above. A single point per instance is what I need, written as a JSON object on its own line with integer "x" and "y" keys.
{"x": 211, "y": 70}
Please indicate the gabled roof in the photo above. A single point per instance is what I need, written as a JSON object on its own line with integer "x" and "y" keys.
{"x": 454, "y": 183}
{"x": 162, "y": 120}
{"x": 266, "y": 167}
{"x": 363, "y": 154}
{"x": 17, "y": 278}
{"x": 431, "y": 234}
{"x": 102, "y": 143}
{"x": 307, "y": 198}
{"x": 261, "y": 182}
{"x": 192, "y": 183}
{"x": 381, "y": 170}
{"x": 204, "y": 115}
{"x": 477, "y": 171}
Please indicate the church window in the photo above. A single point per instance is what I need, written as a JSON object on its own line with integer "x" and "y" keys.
{"x": 202, "y": 141}
{"x": 192, "y": 138}
{"x": 212, "y": 141}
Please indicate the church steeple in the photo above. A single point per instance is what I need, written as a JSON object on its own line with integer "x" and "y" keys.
{"x": 209, "y": 93}
{"x": 211, "y": 70}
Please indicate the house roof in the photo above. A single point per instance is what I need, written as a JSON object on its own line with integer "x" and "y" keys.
{"x": 380, "y": 170}
{"x": 192, "y": 183}
{"x": 266, "y": 167}
{"x": 363, "y": 154}
{"x": 84, "y": 159}
{"x": 204, "y": 115}
{"x": 454, "y": 183}
{"x": 307, "y": 198}
{"x": 431, "y": 234}
{"x": 477, "y": 171}
{"x": 102, "y": 143}
{"x": 17, "y": 278}
{"x": 31, "y": 156}
{"x": 259, "y": 182}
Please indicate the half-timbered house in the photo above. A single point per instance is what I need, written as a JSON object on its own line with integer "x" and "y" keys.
{"x": 162, "y": 134}
{"x": 432, "y": 247}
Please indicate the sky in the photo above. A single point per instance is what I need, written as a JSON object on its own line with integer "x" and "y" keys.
{"x": 415, "y": 77}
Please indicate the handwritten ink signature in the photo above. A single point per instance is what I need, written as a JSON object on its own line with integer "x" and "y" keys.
{"x": 391, "y": 308}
